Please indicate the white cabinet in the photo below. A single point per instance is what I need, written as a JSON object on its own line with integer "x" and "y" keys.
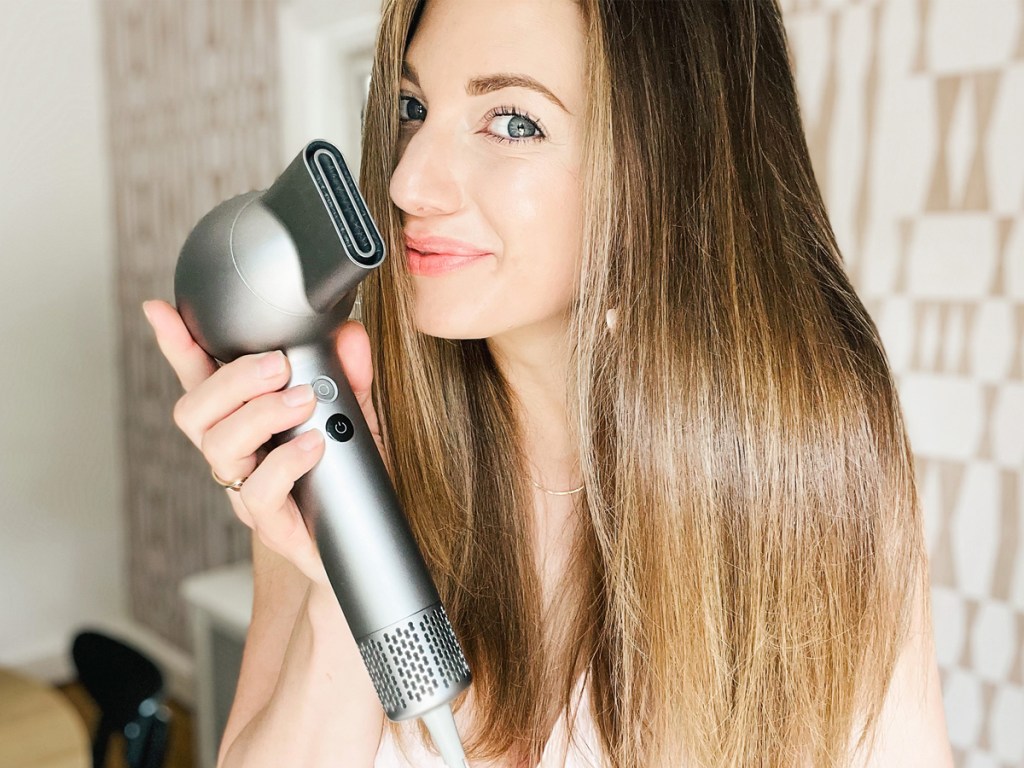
{"x": 220, "y": 608}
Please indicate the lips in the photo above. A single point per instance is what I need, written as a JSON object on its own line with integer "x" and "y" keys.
{"x": 433, "y": 245}
{"x": 434, "y": 255}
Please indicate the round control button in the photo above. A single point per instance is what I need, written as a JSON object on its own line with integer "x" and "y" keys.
{"x": 325, "y": 389}
{"x": 340, "y": 428}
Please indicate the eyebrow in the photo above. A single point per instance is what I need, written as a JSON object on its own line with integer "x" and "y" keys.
{"x": 478, "y": 86}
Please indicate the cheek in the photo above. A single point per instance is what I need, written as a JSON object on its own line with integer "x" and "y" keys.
{"x": 533, "y": 206}
{"x": 536, "y": 215}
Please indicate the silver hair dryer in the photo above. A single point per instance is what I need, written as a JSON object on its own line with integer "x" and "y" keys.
{"x": 279, "y": 269}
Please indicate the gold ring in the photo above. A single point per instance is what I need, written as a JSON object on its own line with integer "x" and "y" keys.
{"x": 234, "y": 485}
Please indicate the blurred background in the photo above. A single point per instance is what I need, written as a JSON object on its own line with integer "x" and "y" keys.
{"x": 123, "y": 122}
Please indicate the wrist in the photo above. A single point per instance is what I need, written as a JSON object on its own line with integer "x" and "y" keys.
{"x": 330, "y": 639}
{"x": 323, "y": 610}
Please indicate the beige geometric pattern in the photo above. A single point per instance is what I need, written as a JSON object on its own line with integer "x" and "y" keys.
{"x": 914, "y": 110}
{"x": 192, "y": 93}
{"x": 914, "y": 113}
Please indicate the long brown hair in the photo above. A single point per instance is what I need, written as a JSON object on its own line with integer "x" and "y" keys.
{"x": 751, "y": 546}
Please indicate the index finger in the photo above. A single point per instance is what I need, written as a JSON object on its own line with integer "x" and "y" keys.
{"x": 189, "y": 361}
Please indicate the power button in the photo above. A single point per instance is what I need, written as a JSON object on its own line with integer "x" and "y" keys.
{"x": 325, "y": 389}
{"x": 340, "y": 428}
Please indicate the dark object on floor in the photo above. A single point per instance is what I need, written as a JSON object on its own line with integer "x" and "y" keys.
{"x": 128, "y": 688}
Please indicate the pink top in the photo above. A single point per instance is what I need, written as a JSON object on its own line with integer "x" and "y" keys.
{"x": 581, "y": 750}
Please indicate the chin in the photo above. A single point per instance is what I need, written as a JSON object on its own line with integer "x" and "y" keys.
{"x": 461, "y": 317}
{"x": 448, "y": 325}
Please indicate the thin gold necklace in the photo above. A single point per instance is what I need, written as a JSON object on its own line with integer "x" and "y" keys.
{"x": 539, "y": 487}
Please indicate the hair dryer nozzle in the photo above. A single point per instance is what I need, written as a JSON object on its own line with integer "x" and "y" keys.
{"x": 320, "y": 205}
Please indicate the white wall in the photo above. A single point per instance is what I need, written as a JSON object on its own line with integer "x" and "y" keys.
{"x": 326, "y": 55}
{"x": 61, "y": 559}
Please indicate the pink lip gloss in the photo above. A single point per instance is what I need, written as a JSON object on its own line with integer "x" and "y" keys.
{"x": 427, "y": 265}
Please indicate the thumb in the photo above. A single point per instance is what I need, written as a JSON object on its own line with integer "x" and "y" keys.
{"x": 353, "y": 347}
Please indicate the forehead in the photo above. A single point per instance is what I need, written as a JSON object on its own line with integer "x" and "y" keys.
{"x": 460, "y": 39}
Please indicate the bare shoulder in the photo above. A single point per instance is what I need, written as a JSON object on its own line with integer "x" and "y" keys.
{"x": 278, "y": 591}
{"x": 912, "y": 732}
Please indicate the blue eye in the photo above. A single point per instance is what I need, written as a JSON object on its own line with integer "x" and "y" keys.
{"x": 410, "y": 109}
{"x": 519, "y": 127}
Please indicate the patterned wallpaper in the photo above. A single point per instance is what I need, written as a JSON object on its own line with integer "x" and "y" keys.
{"x": 192, "y": 98}
{"x": 914, "y": 110}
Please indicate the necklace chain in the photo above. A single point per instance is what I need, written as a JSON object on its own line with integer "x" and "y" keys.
{"x": 539, "y": 487}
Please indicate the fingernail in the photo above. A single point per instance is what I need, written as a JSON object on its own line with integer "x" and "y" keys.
{"x": 308, "y": 441}
{"x": 145, "y": 311}
{"x": 298, "y": 395}
{"x": 271, "y": 364}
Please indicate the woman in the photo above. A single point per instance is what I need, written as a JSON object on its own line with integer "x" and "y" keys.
{"x": 644, "y": 430}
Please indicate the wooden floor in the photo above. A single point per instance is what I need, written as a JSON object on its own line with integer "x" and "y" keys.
{"x": 180, "y": 748}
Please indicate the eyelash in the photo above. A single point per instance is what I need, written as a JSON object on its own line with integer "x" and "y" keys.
{"x": 508, "y": 111}
{"x": 502, "y": 111}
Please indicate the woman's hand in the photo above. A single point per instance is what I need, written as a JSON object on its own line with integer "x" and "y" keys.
{"x": 229, "y": 412}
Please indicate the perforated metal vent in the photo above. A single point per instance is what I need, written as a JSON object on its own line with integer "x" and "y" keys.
{"x": 415, "y": 664}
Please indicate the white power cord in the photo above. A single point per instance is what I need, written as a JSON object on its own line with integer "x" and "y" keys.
{"x": 441, "y": 724}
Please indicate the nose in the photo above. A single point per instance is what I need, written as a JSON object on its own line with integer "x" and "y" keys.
{"x": 425, "y": 181}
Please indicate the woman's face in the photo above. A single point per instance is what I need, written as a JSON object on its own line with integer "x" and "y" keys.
{"x": 488, "y": 160}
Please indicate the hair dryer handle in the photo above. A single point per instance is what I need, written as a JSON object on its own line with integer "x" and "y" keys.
{"x": 371, "y": 557}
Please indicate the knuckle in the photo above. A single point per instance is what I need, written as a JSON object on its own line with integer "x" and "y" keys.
{"x": 258, "y": 493}
{"x": 208, "y": 444}
{"x": 273, "y": 405}
{"x": 267, "y": 414}
{"x": 281, "y": 416}
{"x": 180, "y": 413}
{"x": 267, "y": 366}
{"x": 253, "y": 500}
{"x": 241, "y": 511}
{"x": 296, "y": 464}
